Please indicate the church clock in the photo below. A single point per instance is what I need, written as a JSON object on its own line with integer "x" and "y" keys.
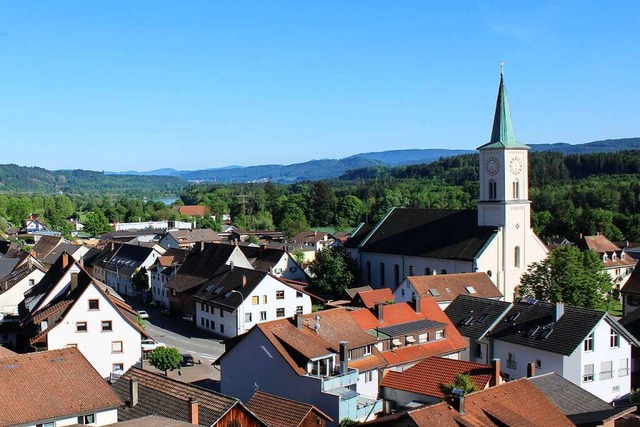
{"x": 492, "y": 166}
{"x": 515, "y": 165}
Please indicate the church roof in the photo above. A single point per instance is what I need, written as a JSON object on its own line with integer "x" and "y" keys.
{"x": 502, "y": 133}
{"x": 430, "y": 233}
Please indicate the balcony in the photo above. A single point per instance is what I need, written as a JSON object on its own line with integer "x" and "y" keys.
{"x": 367, "y": 408}
{"x": 343, "y": 380}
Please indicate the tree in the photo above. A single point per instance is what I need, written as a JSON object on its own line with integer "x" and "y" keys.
{"x": 293, "y": 224}
{"x": 165, "y": 358}
{"x": 333, "y": 271}
{"x": 96, "y": 223}
{"x": 462, "y": 382}
{"x": 298, "y": 256}
{"x": 140, "y": 280}
{"x": 322, "y": 204}
{"x": 350, "y": 210}
{"x": 568, "y": 275}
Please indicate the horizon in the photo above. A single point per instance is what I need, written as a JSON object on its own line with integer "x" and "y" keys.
{"x": 152, "y": 85}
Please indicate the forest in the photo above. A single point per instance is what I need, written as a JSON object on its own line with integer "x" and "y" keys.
{"x": 571, "y": 194}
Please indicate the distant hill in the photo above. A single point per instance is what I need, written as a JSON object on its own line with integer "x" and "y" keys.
{"x": 604, "y": 146}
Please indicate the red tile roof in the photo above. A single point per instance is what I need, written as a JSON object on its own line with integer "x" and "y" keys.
{"x": 277, "y": 411}
{"x": 51, "y": 384}
{"x": 600, "y": 243}
{"x": 373, "y": 297}
{"x": 4, "y": 352}
{"x": 427, "y": 376}
{"x": 448, "y": 286}
{"x": 193, "y": 210}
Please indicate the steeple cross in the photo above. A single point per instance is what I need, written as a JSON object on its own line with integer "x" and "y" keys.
{"x": 501, "y": 67}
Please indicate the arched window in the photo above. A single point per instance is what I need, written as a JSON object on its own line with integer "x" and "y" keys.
{"x": 396, "y": 274}
{"x": 443, "y": 271}
{"x": 516, "y": 189}
{"x": 368, "y": 271}
{"x": 427, "y": 271}
{"x": 516, "y": 254}
{"x": 382, "y": 274}
{"x": 493, "y": 190}
{"x": 412, "y": 270}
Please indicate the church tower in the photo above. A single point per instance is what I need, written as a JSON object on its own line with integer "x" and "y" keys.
{"x": 504, "y": 194}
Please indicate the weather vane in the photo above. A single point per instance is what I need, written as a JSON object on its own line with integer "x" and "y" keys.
{"x": 501, "y": 67}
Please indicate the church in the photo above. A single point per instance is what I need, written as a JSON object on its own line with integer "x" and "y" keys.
{"x": 497, "y": 238}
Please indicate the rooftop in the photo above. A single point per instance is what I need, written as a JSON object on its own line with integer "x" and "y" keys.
{"x": 446, "y": 287}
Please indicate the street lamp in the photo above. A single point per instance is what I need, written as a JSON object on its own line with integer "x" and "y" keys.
{"x": 237, "y": 314}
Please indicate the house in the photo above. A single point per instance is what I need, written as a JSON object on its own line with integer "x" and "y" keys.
{"x": 310, "y": 242}
{"x": 324, "y": 359}
{"x": 153, "y": 420}
{"x": 68, "y": 308}
{"x": 54, "y": 388}
{"x": 186, "y": 239}
{"x": 615, "y": 261}
{"x": 444, "y": 288}
{"x": 587, "y": 347}
{"x": 146, "y": 393}
{"x": 17, "y": 275}
{"x": 235, "y": 299}
{"x": 496, "y": 238}
{"x": 474, "y": 317}
{"x": 370, "y": 298}
{"x": 581, "y": 407}
{"x": 125, "y": 236}
{"x": 512, "y": 404}
{"x": 34, "y": 224}
{"x": 407, "y": 333}
{"x": 277, "y": 411}
{"x": 200, "y": 265}
{"x": 121, "y": 263}
{"x": 630, "y": 292}
{"x": 48, "y": 249}
{"x": 274, "y": 261}
{"x": 164, "y": 269}
{"x": 421, "y": 384}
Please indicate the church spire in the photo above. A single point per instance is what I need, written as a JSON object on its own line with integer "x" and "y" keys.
{"x": 502, "y": 133}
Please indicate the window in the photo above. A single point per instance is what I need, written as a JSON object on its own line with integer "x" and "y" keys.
{"x": 52, "y": 424}
{"x": 255, "y": 300}
{"x": 221, "y": 313}
{"x": 382, "y": 274}
{"x": 516, "y": 189}
{"x": 606, "y": 370}
{"x": 440, "y": 334}
{"x": 87, "y": 419}
{"x": 412, "y": 270}
{"x": 247, "y": 317}
{"x": 107, "y": 326}
{"x": 493, "y": 190}
{"x": 478, "y": 352}
{"x": 623, "y": 369}
{"x": 396, "y": 274}
{"x": 367, "y": 349}
{"x": 221, "y": 328}
{"x": 368, "y": 377}
{"x": 279, "y": 294}
{"x": 81, "y": 326}
{"x": 116, "y": 346}
{"x": 443, "y": 271}
{"x": 587, "y": 376}
{"x": 202, "y": 321}
{"x": 263, "y": 315}
{"x": 588, "y": 343}
{"x": 206, "y": 323}
{"x": 516, "y": 256}
{"x": 538, "y": 363}
{"x": 264, "y": 299}
{"x": 279, "y": 312}
{"x": 298, "y": 294}
{"x": 427, "y": 271}
{"x": 299, "y": 309}
{"x": 202, "y": 307}
{"x": 94, "y": 304}
{"x": 73, "y": 345}
{"x": 368, "y": 271}
{"x": 614, "y": 339}
{"x": 117, "y": 367}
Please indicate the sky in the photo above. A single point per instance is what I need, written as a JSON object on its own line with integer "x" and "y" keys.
{"x": 142, "y": 85}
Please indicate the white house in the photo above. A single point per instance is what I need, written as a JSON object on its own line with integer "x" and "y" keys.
{"x": 324, "y": 359}
{"x": 277, "y": 262}
{"x": 496, "y": 238}
{"x": 164, "y": 269}
{"x": 123, "y": 263}
{"x": 18, "y": 275}
{"x": 235, "y": 299}
{"x": 68, "y": 308}
{"x": 55, "y": 388}
{"x": 587, "y": 347}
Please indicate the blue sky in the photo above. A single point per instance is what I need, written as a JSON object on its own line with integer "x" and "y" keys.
{"x": 120, "y": 85}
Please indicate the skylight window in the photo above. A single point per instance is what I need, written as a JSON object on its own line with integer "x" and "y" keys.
{"x": 219, "y": 289}
{"x": 434, "y": 292}
{"x": 470, "y": 289}
{"x": 482, "y": 317}
{"x": 513, "y": 316}
{"x": 209, "y": 288}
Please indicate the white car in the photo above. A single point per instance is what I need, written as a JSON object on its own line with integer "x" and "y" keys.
{"x": 143, "y": 314}
{"x": 150, "y": 345}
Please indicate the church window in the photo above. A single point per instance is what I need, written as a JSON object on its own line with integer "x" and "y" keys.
{"x": 516, "y": 189}
{"x": 396, "y": 274}
{"x": 382, "y": 274}
{"x": 368, "y": 271}
{"x": 516, "y": 253}
{"x": 427, "y": 271}
{"x": 493, "y": 190}
{"x": 412, "y": 270}
{"x": 443, "y": 271}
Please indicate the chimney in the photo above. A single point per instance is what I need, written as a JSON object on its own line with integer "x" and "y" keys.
{"x": 231, "y": 265}
{"x": 380, "y": 311}
{"x": 531, "y": 369}
{"x": 133, "y": 392}
{"x": 65, "y": 260}
{"x": 344, "y": 357}
{"x": 113, "y": 245}
{"x": 201, "y": 246}
{"x": 495, "y": 377}
{"x": 458, "y": 401}
{"x": 82, "y": 262}
{"x": 244, "y": 280}
{"x": 558, "y": 311}
{"x": 74, "y": 280}
{"x": 298, "y": 318}
{"x": 416, "y": 304}
{"x": 193, "y": 411}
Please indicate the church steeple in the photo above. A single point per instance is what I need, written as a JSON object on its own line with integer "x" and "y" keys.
{"x": 502, "y": 133}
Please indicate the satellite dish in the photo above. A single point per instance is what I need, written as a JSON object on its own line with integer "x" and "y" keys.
{"x": 317, "y": 317}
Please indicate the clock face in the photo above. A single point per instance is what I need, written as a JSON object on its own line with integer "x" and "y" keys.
{"x": 515, "y": 165}
{"x": 492, "y": 166}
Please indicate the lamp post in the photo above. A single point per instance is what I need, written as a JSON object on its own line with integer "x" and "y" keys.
{"x": 238, "y": 314}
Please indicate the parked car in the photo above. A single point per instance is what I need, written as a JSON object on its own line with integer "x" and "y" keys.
{"x": 143, "y": 314}
{"x": 187, "y": 318}
{"x": 150, "y": 344}
{"x": 187, "y": 360}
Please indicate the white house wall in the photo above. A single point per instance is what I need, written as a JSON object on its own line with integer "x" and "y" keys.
{"x": 368, "y": 388}
{"x": 550, "y": 362}
{"x": 102, "y": 418}
{"x": 62, "y": 284}
{"x": 10, "y": 299}
{"x": 95, "y": 344}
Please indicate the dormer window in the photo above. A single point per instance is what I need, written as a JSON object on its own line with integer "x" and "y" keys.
{"x": 622, "y": 256}
{"x": 613, "y": 256}
{"x": 604, "y": 257}
{"x": 367, "y": 349}
{"x": 439, "y": 334}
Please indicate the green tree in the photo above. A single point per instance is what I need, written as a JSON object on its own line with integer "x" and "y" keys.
{"x": 462, "y": 382}
{"x": 298, "y": 256}
{"x": 333, "y": 270}
{"x": 165, "y": 358}
{"x": 96, "y": 223}
{"x": 293, "y": 224}
{"x": 322, "y": 204}
{"x": 140, "y": 280}
{"x": 568, "y": 275}
{"x": 350, "y": 211}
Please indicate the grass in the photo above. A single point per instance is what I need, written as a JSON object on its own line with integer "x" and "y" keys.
{"x": 616, "y": 308}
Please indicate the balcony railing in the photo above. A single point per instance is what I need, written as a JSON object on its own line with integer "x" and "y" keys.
{"x": 341, "y": 380}
{"x": 367, "y": 408}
